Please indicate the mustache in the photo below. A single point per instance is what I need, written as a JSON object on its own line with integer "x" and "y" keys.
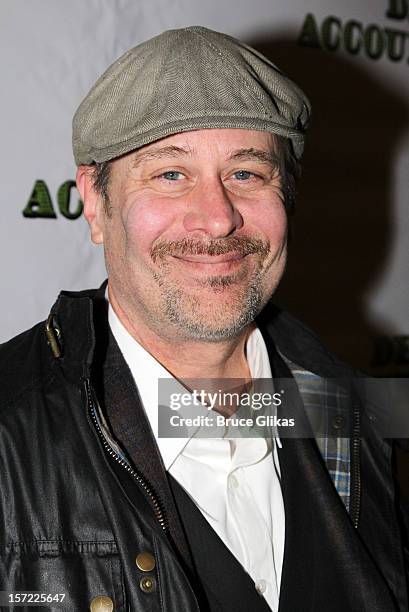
{"x": 234, "y": 244}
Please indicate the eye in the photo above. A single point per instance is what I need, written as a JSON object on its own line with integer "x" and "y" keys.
{"x": 243, "y": 175}
{"x": 171, "y": 175}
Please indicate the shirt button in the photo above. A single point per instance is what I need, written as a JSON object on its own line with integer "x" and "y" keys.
{"x": 261, "y": 586}
{"x": 102, "y": 604}
{"x": 233, "y": 482}
{"x": 145, "y": 562}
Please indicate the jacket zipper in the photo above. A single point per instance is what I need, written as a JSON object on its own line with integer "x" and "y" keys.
{"x": 356, "y": 468}
{"x": 136, "y": 474}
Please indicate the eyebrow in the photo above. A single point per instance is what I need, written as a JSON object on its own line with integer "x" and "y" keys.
{"x": 258, "y": 155}
{"x": 251, "y": 154}
{"x": 169, "y": 151}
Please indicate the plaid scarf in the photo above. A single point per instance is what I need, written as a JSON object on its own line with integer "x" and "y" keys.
{"x": 327, "y": 407}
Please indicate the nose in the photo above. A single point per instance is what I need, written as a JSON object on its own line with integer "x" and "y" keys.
{"x": 211, "y": 211}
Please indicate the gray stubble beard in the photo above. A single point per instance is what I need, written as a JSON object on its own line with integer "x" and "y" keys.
{"x": 198, "y": 330}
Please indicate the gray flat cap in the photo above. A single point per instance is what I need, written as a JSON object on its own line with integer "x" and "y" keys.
{"x": 182, "y": 80}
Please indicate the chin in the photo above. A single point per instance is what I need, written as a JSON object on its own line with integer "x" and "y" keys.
{"x": 209, "y": 327}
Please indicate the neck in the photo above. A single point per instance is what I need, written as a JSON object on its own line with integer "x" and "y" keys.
{"x": 189, "y": 359}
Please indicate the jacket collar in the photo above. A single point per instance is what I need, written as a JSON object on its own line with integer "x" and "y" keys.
{"x": 72, "y": 322}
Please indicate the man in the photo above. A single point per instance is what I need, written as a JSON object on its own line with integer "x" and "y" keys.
{"x": 187, "y": 151}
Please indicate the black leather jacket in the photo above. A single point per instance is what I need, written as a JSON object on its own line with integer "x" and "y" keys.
{"x": 69, "y": 524}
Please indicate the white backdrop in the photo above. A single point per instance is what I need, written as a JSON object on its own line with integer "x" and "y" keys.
{"x": 53, "y": 51}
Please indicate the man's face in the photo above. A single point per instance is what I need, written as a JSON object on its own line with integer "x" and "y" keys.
{"x": 195, "y": 242}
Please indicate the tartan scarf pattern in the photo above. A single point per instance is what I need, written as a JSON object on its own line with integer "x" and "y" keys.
{"x": 327, "y": 407}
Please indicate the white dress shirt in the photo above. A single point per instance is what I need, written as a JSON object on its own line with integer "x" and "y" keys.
{"x": 234, "y": 482}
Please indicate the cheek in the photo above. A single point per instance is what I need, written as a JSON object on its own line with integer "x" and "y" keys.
{"x": 145, "y": 222}
{"x": 271, "y": 220}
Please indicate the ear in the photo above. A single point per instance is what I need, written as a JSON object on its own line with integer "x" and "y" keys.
{"x": 93, "y": 203}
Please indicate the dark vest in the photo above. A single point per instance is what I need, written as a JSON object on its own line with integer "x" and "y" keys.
{"x": 326, "y": 565}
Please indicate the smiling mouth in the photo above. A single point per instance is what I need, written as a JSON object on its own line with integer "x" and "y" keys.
{"x": 211, "y": 259}
{"x": 211, "y": 264}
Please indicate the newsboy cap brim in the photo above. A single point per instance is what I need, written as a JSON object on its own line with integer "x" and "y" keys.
{"x": 182, "y": 80}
